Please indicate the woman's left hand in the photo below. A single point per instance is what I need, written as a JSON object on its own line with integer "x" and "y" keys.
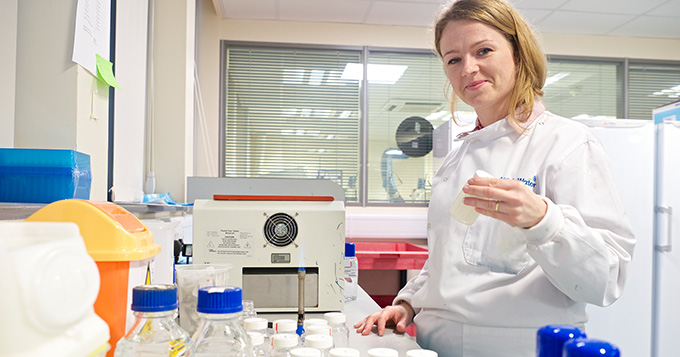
{"x": 510, "y": 201}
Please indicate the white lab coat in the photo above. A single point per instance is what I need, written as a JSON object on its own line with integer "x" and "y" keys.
{"x": 491, "y": 275}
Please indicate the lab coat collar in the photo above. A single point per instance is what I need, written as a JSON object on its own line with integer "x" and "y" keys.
{"x": 501, "y": 127}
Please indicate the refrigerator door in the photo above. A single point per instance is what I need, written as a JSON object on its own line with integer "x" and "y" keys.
{"x": 666, "y": 341}
{"x": 630, "y": 147}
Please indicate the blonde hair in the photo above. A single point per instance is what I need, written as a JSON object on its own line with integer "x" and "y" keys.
{"x": 531, "y": 65}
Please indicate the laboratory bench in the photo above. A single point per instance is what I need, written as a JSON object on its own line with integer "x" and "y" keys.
{"x": 357, "y": 310}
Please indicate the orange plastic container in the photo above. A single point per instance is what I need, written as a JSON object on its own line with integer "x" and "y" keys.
{"x": 121, "y": 246}
{"x": 390, "y": 255}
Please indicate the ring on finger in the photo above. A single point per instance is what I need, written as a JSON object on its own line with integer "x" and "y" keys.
{"x": 498, "y": 203}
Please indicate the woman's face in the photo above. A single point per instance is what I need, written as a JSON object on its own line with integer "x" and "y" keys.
{"x": 479, "y": 63}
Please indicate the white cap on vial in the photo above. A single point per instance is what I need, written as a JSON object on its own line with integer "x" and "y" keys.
{"x": 317, "y": 330}
{"x": 315, "y": 322}
{"x": 382, "y": 352}
{"x": 335, "y": 317}
{"x": 256, "y": 338}
{"x": 284, "y": 326}
{"x": 284, "y": 340}
{"x": 421, "y": 353}
{"x": 305, "y": 352}
{"x": 255, "y": 323}
{"x": 319, "y": 341}
{"x": 344, "y": 352}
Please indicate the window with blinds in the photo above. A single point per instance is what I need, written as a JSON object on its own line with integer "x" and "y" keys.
{"x": 584, "y": 88}
{"x": 651, "y": 85}
{"x": 406, "y": 98}
{"x": 292, "y": 113}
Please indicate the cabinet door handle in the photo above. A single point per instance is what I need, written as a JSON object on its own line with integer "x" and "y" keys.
{"x": 669, "y": 235}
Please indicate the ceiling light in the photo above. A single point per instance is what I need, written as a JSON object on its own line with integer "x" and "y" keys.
{"x": 377, "y": 73}
{"x": 555, "y": 78}
{"x": 316, "y": 76}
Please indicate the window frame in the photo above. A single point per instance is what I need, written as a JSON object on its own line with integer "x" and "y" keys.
{"x": 622, "y": 104}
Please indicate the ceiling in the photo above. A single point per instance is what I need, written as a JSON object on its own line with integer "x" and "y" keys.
{"x": 625, "y": 18}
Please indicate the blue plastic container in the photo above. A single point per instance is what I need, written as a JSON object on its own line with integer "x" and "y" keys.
{"x": 43, "y": 175}
{"x": 551, "y": 338}
{"x": 585, "y": 347}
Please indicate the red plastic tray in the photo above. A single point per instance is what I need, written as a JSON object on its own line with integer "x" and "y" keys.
{"x": 390, "y": 256}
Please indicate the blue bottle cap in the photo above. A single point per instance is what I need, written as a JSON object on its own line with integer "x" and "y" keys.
{"x": 154, "y": 298}
{"x": 551, "y": 338}
{"x": 220, "y": 300}
{"x": 585, "y": 347}
{"x": 350, "y": 250}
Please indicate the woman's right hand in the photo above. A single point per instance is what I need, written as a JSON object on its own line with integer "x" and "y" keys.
{"x": 400, "y": 315}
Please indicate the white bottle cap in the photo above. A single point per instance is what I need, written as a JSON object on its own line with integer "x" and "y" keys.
{"x": 284, "y": 326}
{"x": 335, "y": 317}
{"x": 319, "y": 341}
{"x": 256, "y": 338}
{"x": 421, "y": 353}
{"x": 310, "y": 322}
{"x": 482, "y": 173}
{"x": 382, "y": 352}
{"x": 344, "y": 352}
{"x": 284, "y": 340}
{"x": 305, "y": 352}
{"x": 317, "y": 330}
{"x": 255, "y": 323}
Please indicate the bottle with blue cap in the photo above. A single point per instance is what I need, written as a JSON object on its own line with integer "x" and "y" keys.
{"x": 586, "y": 347}
{"x": 351, "y": 272}
{"x": 219, "y": 332}
{"x": 551, "y": 338}
{"x": 155, "y": 332}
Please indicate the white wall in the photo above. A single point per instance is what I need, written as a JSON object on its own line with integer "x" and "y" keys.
{"x": 55, "y": 97}
{"x": 174, "y": 95}
{"x": 8, "y": 55}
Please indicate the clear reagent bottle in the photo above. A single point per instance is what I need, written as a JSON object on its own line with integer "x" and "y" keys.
{"x": 351, "y": 272}
{"x": 154, "y": 332}
{"x": 219, "y": 332}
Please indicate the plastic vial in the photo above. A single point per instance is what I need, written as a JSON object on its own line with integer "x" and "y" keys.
{"x": 248, "y": 309}
{"x": 421, "y": 353}
{"x": 257, "y": 324}
{"x": 305, "y": 352}
{"x": 324, "y": 343}
{"x": 339, "y": 330}
{"x": 282, "y": 344}
{"x": 585, "y": 347}
{"x": 260, "y": 348}
{"x": 551, "y": 338}
{"x": 351, "y": 272}
{"x": 460, "y": 211}
{"x": 284, "y": 326}
{"x": 219, "y": 331}
{"x": 344, "y": 352}
{"x": 382, "y": 352}
{"x": 155, "y": 332}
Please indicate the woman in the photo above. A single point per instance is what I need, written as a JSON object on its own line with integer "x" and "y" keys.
{"x": 552, "y": 235}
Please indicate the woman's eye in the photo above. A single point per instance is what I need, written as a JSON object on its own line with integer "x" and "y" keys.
{"x": 454, "y": 60}
{"x": 484, "y": 51}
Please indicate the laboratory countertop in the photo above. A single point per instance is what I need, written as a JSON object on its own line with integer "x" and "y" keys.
{"x": 21, "y": 211}
{"x": 356, "y": 310}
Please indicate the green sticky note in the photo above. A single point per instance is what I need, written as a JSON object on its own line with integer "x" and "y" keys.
{"x": 105, "y": 72}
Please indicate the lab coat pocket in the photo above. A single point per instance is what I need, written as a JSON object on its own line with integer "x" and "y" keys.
{"x": 495, "y": 245}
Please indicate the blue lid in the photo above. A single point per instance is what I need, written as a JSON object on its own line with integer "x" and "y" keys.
{"x": 350, "y": 250}
{"x": 154, "y": 298}
{"x": 551, "y": 338}
{"x": 585, "y": 347}
{"x": 220, "y": 300}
